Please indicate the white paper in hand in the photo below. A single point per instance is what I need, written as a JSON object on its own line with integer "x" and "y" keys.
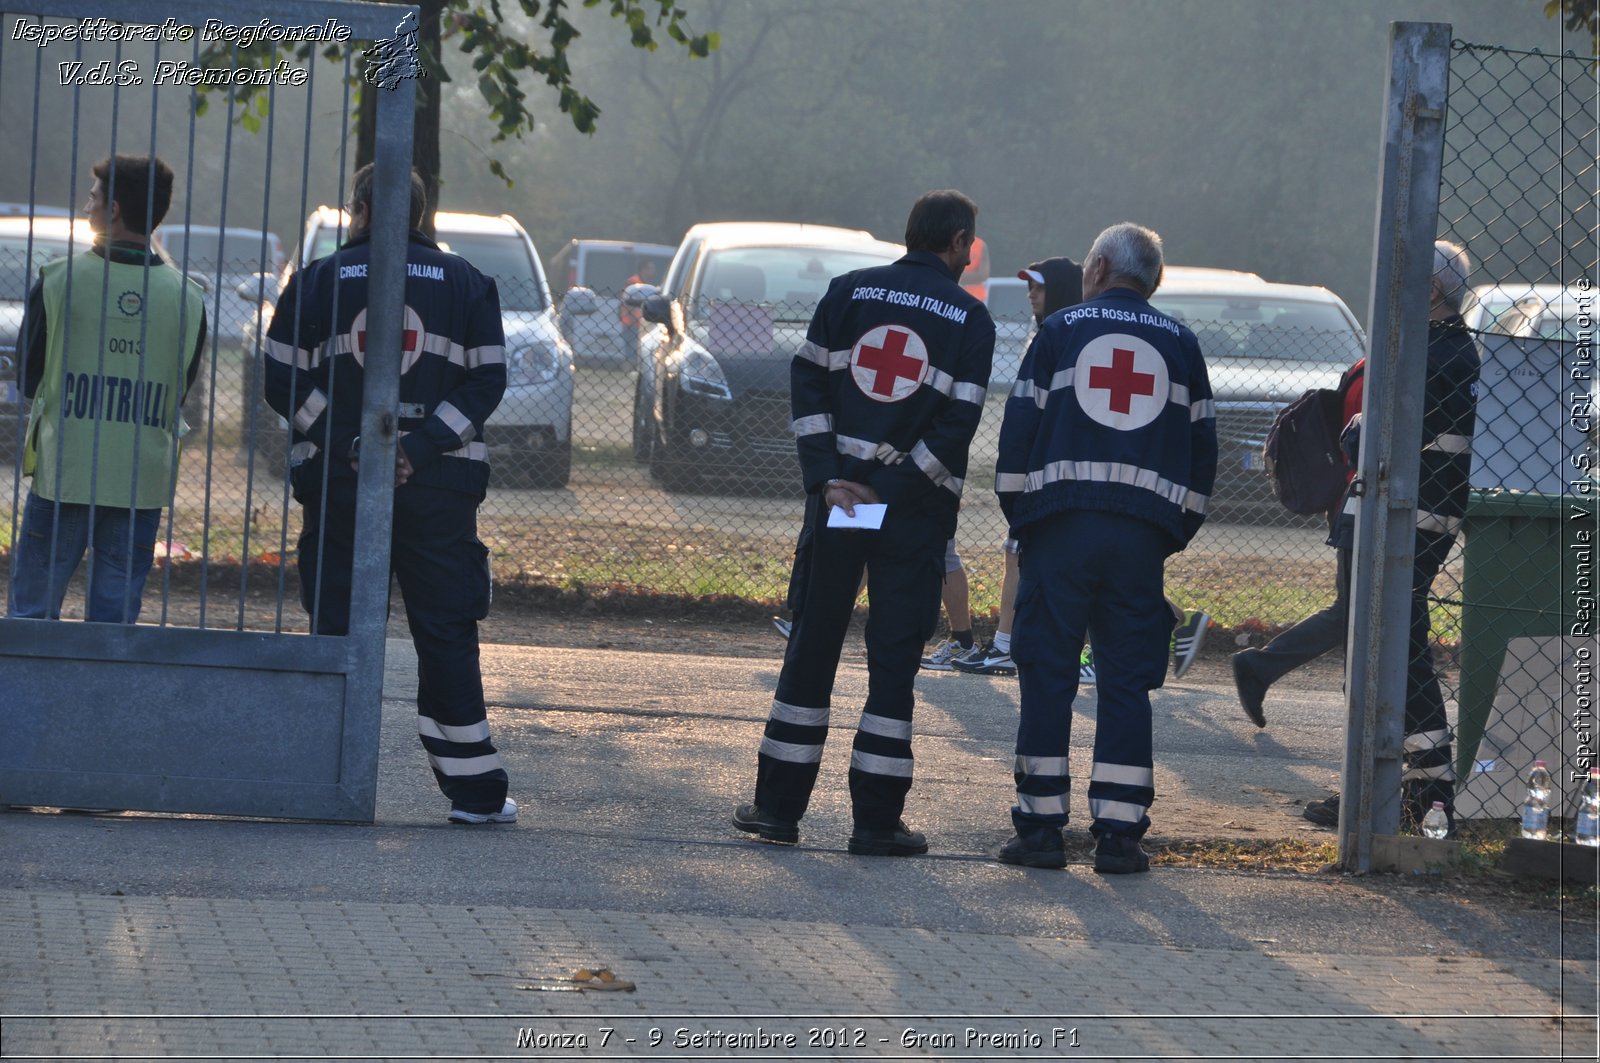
{"x": 868, "y": 515}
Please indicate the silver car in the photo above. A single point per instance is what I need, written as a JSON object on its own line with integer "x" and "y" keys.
{"x": 1265, "y": 344}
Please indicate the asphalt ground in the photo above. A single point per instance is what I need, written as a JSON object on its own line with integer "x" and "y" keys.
{"x": 135, "y": 936}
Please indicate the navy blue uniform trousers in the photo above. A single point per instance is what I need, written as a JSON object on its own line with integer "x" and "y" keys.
{"x": 1083, "y": 570}
{"x": 443, "y": 571}
{"x": 904, "y": 561}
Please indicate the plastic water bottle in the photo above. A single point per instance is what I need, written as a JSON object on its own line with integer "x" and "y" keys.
{"x": 1436, "y": 824}
{"x": 1587, "y": 830}
{"x": 1536, "y": 810}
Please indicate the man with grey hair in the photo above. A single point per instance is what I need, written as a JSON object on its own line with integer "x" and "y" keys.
{"x": 1449, "y": 414}
{"x": 1108, "y": 452}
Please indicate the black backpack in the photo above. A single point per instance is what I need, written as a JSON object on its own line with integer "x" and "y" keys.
{"x": 1303, "y": 458}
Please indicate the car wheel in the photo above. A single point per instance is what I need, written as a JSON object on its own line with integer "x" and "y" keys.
{"x": 673, "y": 470}
{"x": 551, "y": 468}
{"x": 643, "y": 429}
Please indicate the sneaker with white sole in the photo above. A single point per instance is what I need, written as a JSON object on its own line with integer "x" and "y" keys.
{"x": 943, "y": 656}
{"x": 986, "y": 661}
{"x": 1086, "y": 665}
{"x": 1187, "y": 639}
{"x": 507, "y": 814}
{"x": 782, "y": 627}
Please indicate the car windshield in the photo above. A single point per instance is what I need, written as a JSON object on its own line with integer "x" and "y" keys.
{"x": 16, "y": 272}
{"x": 1252, "y": 326}
{"x": 607, "y": 272}
{"x": 792, "y": 280}
{"x": 504, "y": 257}
{"x": 234, "y": 252}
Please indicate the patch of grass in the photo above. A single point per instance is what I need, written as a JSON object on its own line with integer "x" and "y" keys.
{"x": 1246, "y": 854}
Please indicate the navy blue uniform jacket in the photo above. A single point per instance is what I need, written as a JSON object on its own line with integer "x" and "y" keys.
{"x": 889, "y": 387}
{"x": 1111, "y": 411}
{"x": 453, "y": 370}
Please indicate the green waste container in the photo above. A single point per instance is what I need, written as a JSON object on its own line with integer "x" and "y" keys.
{"x": 1519, "y": 567}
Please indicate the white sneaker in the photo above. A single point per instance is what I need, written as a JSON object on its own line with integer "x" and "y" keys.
{"x": 507, "y": 814}
{"x": 943, "y": 657}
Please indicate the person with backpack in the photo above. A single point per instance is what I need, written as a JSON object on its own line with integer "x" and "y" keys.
{"x": 1254, "y": 671}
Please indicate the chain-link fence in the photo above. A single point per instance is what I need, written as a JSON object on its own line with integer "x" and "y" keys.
{"x": 1513, "y": 619}
{"x": 662, "y": 463}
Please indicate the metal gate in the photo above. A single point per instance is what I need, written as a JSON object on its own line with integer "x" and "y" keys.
{"x": 213, "y": 703}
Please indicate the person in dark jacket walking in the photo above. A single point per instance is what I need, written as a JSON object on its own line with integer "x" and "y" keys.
{"x": 1449, "y": 418}
{"x": 885, "y": 396}
{"x": 1108, "y": 452}
{"x": 1254, "y": 671}
{"x": 453, "y": 375}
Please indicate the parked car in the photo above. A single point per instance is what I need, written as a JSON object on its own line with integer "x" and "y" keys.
{"x": 223, "y": 258}
{"x": 1013, "y": 328}
{"x": 711, "y": 406}
{"x": 1264, "y": 344}
{"x": 1521, "y": 309}
{"x": 593, "y": 327}
{"x": 530, "y": 433}
{"x": 25, "y": 245}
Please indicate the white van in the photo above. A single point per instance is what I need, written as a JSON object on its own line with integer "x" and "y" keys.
{"x": 588, "y": 277}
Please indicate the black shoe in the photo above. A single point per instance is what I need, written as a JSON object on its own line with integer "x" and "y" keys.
{"x": 1252, "y": 691}
{"x": 751, "y": 819}
{"x": 900, "y": 841}
{"x": 1324, "y": 813}
{"x": 1038, "y": 848}
{"x": 1118, "y": 854}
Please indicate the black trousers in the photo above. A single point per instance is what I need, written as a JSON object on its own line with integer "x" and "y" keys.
{"x": 904, "y": 562}
{"x": 1318, "y": 633}
{"x": 1429, "y": 771}
{"x": 443, "y": 571}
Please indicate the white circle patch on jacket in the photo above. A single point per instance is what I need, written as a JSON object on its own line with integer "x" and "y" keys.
{"x": 411, "y": 334}
{"x": 1121, "y": 381}
{"x": 888, "y": 363}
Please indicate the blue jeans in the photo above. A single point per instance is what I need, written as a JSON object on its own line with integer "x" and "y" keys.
{"x": 41, "y": 569}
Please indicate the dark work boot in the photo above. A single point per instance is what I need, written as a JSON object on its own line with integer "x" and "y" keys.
{"x": 899, "y": 841}
{"x": 1119, "y": 854}
{"x": 1035, "y": 848}
{"x": 751, "y": 819}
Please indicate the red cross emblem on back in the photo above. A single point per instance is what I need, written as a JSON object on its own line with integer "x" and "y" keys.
{"x": 888, "y": 363}
{"x": 411, "y": 333}
{"x": 1120, "y": 379}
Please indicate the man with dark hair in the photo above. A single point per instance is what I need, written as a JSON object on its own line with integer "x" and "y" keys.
{"x": 885, "y": 395}
{"x": 113, "y": 337}
{"x": 452, "y": 377}
{"x": 1107, "y": 456}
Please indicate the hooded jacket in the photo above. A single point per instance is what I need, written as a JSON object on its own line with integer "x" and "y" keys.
{"x": 1063, "y": 284}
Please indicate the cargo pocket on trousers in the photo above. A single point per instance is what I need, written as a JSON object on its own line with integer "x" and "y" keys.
{"x": 484, "y": 572}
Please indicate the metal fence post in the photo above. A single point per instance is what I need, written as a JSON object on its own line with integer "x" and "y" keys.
{"x": 1408, "y": 208}
{"x": 391, "y": 203}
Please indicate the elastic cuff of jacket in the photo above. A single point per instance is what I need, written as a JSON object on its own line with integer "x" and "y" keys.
{"x": 419, "y": 449}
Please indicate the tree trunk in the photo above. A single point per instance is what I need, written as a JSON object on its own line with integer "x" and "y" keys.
{"x": 425, "y": 129}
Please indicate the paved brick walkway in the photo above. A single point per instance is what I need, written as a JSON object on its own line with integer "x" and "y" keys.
{"x": 87, "y": 976}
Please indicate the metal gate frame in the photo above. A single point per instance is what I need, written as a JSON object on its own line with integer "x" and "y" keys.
{"x": 227, "y": 722}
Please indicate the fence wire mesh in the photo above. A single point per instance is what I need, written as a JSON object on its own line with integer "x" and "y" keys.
{"x": 1513, "y": 619}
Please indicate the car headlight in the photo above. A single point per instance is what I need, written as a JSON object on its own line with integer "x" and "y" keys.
{"x": 701, "y": 375}
{"x": 536, "y": 362}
